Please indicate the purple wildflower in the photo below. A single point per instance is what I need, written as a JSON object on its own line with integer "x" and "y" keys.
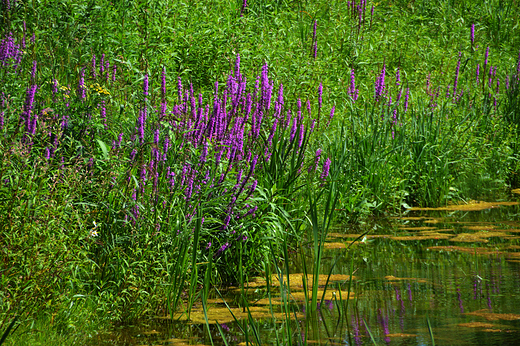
{"x": 406, "y": 97}
{"x": 102, "y": 64}
{"x": 380, "y": 83}
{"x": 326, "y": 168}
{"x": 244, "y": 5}
{"x": 33, "y": 72}
{"x": 145, "y": 85}
{"x": 114, "y": 70}
{"x": 353, "y": 92}
{"x": 320, "y": 93}
{"x": 456, "y": 76}
{"x": 472, "y": 36}
{"x": 82, "y": 90}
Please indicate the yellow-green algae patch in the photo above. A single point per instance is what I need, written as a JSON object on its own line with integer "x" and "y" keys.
{"x": 480, "y": 228}
{"x": 401, "y": 335}
{"x": 472, "y": 206}
{"x": 477, "y": 237}
{"x": 296, "y": 280}
{"x": 224, "y": 315}
{"x": 343, "y": 235}
{"x": 333, "y": 246}
{"x": 476, "y": 325}
{"x": 394, "y": 278}
{"x": 423, "y": 228}
{"x": 491, "y": 316}
{"x": 422, "y": 237}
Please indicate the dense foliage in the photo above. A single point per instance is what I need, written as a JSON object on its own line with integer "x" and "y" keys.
{"x": 150, "y": 144}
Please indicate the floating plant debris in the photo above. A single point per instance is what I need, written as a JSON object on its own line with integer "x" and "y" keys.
{"x": 477, "y": 237}
{"x": 477, "y": 325}
{"x": 472, "y": 206}
{"x": 393, "y": 278}
{"x": 333, "y": 246}
{"x": 491, "y": 316}
{"x": 225, "y": 315}
{"x": 422, "y": 237}
{"x": 416, "y": 228}
{"x": 342, "y": 235}
{"x": 401, "y": 335}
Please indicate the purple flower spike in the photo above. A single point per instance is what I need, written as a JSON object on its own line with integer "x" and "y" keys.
{"x": 243, "y": 8}
{"x": 320, "y": 93}
{"x": 325, "y": 171}
{"x": 380, "y": 84}
{"x": 472, "y": 37}
{"x": 82, "y": 90}
{"x": 353, "y": 92}
{"x": 102, "y": 64}
{"x": 145, "y": 85}
{"x": 114, "y": 70}
{"x": 406, "y": 97}
{"x": 33, "y": 72}
{"x": 486, "y": 58}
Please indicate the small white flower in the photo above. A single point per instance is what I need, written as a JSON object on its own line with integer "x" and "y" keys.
{"x": 93, "y": 232}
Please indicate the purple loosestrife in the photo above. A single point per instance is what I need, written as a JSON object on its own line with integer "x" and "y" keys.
{"x": 316, "y": 161}
{"x": 28, "y": 106}
{"x": 244, "y": 5}
{"x": 114, "y": 71}
{"x": 353, "y": 92}
{"x": 2, "y": 120}
{"x": 398, "y": 77}
{"x": 293, "y": 128}
{"x": 107, "y": 71}
{"x": 320, "y": 93}
{"x": 380, "y": 84}
{"x": 406, "y": 98}
{"x": 331, "y": 114}
{"x": 301, "y": 135}
{"x": 33, "y": 72}
{"x": 82, "y": 90}
{"x": 325, "y": 170}
{"x": 24, "y": 33}
{"x": 477, "y": 72}
{"x": 102, "y": 64}
{"x": 103, "y": 113}
{"x": 456, "y": 76}
{"x": 145, "y": 86}
{"x": 179, "y": 89}
{"x": 472, "y": 35}
{"x": 486, "y": 58}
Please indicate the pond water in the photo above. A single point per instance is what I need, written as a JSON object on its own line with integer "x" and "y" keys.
{"x": 450, "y": 274}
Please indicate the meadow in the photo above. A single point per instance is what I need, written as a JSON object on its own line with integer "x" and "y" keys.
{"x": 151, "y": 150}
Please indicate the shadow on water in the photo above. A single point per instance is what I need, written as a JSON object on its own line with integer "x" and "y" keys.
{"x": 456, "y": 268}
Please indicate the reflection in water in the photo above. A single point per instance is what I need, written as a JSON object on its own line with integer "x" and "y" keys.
{"x": 458, "y": 267}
